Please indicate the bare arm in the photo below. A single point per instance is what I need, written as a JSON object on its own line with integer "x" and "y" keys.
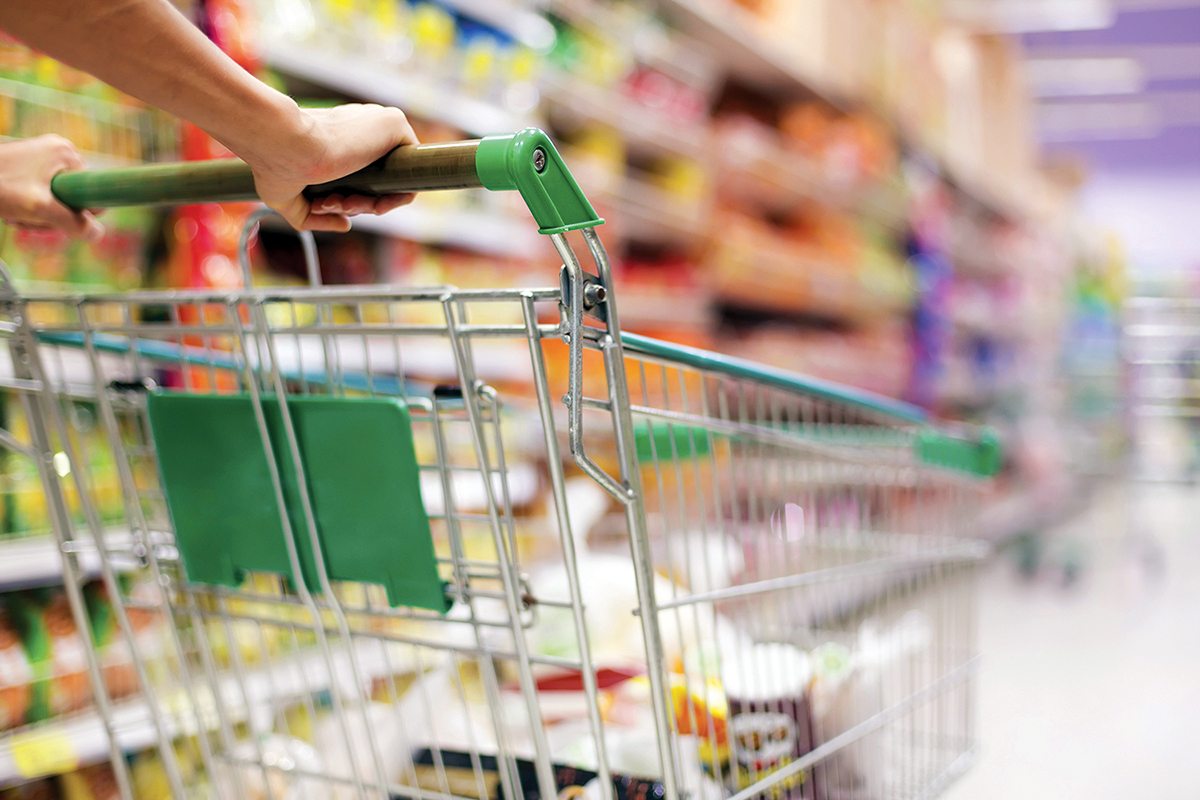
{"x": 146, "y": 48}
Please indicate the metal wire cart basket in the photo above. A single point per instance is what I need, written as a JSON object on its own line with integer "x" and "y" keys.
{"x": 335, "y": 576}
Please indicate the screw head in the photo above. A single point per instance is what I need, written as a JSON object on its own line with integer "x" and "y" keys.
{"x": 539, "y": 159}
{"x": 594, "y": 294}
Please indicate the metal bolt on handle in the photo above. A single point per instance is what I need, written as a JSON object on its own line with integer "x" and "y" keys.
{"x": 594, "y": 294}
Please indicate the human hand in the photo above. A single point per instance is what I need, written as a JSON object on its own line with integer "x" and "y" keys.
{"x": 328, "y": 143}
{"x": 26, "y": 167}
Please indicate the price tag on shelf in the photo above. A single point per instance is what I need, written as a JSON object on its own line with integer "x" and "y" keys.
{"x": 43, "y": 753}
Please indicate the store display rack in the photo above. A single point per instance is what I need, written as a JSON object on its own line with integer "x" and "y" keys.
{"x": 65, "y": 743}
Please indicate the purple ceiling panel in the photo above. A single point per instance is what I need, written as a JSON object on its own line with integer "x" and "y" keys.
{"x": 1177, "y": 145}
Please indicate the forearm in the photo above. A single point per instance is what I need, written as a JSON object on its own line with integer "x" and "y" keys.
{"x": 146, "y": 48}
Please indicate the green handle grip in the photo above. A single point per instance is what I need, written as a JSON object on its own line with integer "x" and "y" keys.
{"x": 524, "y": 161}
{"x": 419, "y": 168}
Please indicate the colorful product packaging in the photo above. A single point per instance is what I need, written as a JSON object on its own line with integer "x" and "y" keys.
{"x": 34, "y": 790}
{"x": 56, "y": 653}
{"x": 16, "y": 676}
{"x": 93, "y": 782}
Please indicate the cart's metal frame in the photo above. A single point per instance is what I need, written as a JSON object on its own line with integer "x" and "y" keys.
{"x": 795, "y": 435}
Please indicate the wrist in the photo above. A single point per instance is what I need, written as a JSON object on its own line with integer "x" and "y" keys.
{"x": 281, "y": 136}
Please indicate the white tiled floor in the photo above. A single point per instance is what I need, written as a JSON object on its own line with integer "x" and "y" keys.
{"x": 1093, "y": 690}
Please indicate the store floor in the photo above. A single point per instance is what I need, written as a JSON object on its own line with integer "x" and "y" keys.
{"x": 1092, "y": 689}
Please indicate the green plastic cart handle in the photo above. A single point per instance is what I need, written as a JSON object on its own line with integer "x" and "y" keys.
{"x": 526, "y": 161}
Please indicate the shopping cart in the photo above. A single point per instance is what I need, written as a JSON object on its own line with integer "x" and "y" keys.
{"x": 375, "y": 574}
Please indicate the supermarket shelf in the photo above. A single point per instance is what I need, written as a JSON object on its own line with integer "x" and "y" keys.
{"x": 774, "y": 179}
{"x": 980, "y": 325}
{"x": 523, "y": 24}
{"x": 479, "y": 231}
{"x": 785, "y": 283}
{"x": 773, "y": 278}
{"x": 641, "y": 125}
{"x": 654, "y": 216}
{"x": 428, "y": 359}
{"x": 735, "y": 33}
{"x": 468, "y": 491}
{"x": 362, "y": 77}
{"x": 669, "y": 52}
{"x": 92, "y": 159}
{"x": 36, "y": 560}
{"x": 86, "y": 740}
{"x": 978, "y": 261}
{"x": 656, "y": 310}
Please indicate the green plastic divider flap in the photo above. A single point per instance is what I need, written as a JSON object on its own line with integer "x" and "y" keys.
{"x": 360, "y": 470}
{"x": 982, "y": 457}
{"x": 669, "y": 441}
{"x": 510, "y": 161}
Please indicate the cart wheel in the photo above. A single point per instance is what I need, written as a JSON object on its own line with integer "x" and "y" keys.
{"x": 1070, "y": 560}
{"x": 1028, "y": 549}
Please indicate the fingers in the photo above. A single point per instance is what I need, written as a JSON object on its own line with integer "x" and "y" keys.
{"x": 345, "y": 206}
{"x": 392, "y": 202}
{"x": 360, "y": 204}
{"x": 26, "y": 168}
{"x": 326, "y": 222}
{"x": 63, "y": 156}
{"x": 93, "y": 229}
{"x": 80, "y": 224}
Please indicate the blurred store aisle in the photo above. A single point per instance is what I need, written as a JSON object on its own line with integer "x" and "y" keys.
{"x": 1093, "y": 690}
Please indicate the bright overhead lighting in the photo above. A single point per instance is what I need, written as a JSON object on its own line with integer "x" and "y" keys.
{"x": 1029, "y": 16}
{"x": 1125, "y": 119}
{"x": 1072, "y": 77}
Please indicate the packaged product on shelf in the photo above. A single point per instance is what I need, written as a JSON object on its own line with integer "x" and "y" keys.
{"x": 259, "y": 630}
{"x": 592, "y": 55}
{"x": 16, "y": 676}
{"x": 433, "y": 30}
{"x": 685, "y": 178}
{"x": 11, "y": 465}
{"x": 596, "y": 155}
{"x": 673, "y": 98}
{"x": 113, "y": 262}
{"x": 25, "y": 510}
{"x": 94, "y": 782}
{"x": 116, "y": 657}
{"x": 16, "y": 60}
{"x": 479, "y": 55}
{"x": 148, "y": 773}
{"x": 43, "y": 789}
{"x": 55, "y": 650}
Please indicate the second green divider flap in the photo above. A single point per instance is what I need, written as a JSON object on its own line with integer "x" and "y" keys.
{"x": 362, "y": 480}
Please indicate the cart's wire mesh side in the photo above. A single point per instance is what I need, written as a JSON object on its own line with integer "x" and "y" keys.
{"x": 805, "y": 563}
{"x": 785, "y": 523}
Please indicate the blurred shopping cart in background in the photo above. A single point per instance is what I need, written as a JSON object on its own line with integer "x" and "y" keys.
{"x": 1162, "y": 344}
{"x": 743, "y": 583}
